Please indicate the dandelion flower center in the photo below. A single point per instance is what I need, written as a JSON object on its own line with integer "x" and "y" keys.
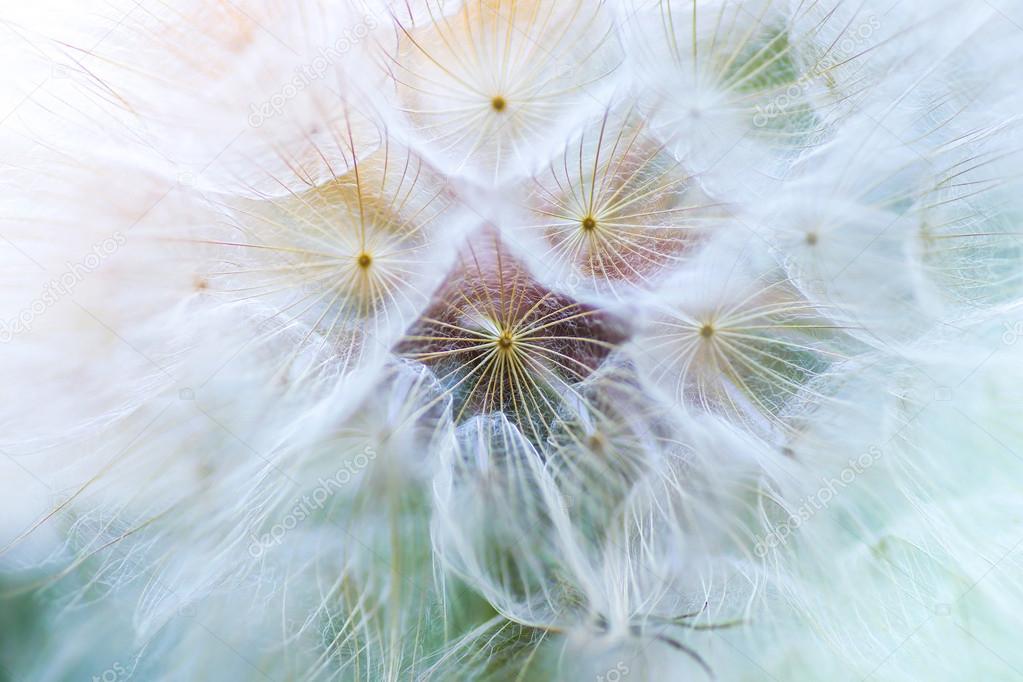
{"x": 589, "y": 224}
{"x": 498, "y": 103}
{"x": 707, "y": 331}
{"x": 505, "y": 341}
{"x": 498, "y": 341}
{"x": 364, "y": 260}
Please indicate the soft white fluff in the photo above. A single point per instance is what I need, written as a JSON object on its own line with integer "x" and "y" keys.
{"x": 511, "y": 340}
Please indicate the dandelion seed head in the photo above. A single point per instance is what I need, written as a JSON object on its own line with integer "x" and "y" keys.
{"x": 511, "y": 339}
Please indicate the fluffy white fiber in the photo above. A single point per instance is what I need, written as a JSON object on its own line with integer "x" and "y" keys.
{"x": 511, "y": 340}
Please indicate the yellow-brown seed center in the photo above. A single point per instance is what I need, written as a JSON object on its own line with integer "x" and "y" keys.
{"x": 707, "y": 331}
{"x": 498, "y": 103}
{"x": 589, "y": 224}
{"x": 364, "y": 260}
{"x": 505, "y": 341}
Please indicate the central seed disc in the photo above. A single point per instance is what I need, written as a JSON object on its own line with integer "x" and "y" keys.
{"x": 589, "y": 223}
{"x": 364, "y": 260}
{"x": 498, "y": 103}
{"x": 504, "y": 341}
